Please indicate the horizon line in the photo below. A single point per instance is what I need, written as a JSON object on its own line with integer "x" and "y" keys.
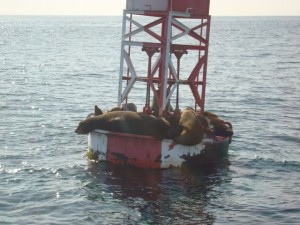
{"x": 95, "y": 15}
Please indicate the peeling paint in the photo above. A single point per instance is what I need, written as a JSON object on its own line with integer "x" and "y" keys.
{"x": 150, "y": 153}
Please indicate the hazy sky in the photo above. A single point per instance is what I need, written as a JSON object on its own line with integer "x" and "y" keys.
{"x": 115, "y": 7}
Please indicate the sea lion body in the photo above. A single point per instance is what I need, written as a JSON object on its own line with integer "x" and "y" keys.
{"x": 126, "y": 122}
{"x": 217, "y": 125}
{"x": 221, "y": 128}
{"x": 192, "y": 129}
{"x": 125, "y": 107}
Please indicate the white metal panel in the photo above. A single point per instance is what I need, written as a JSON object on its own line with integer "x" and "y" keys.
{"x": 173, "y": 157}
{"x": 153, "y": 5}
{"x": 97, "y": 142}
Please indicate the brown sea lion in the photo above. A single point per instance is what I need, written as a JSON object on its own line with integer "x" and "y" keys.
{"x": 209, "y": 116}
{"x": 125, "y": 107}
{"x": 129, "y": 107}
{"x": 154, "y": 106}
{"x": 192, "y": 129}
{"x": 114, "y": 109}
{"x": 221, "y": 128}
{"x": 217, "y": 125}
{"x": 97, "y": 111}
{"x": 126, "y": 122}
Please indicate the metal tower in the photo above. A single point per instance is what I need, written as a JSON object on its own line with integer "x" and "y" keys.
{"x": 165, "y": 46}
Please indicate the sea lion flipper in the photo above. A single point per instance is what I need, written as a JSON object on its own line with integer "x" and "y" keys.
{"x": 98, "y": 111}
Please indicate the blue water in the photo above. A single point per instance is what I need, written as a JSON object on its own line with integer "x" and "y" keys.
{"x": 53, "y": 70}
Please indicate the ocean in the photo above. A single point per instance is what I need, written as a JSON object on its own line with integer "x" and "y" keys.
{"x": 53, "y": 70}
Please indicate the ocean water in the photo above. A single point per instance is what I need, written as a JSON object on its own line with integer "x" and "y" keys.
{"x": 53, "y": 70}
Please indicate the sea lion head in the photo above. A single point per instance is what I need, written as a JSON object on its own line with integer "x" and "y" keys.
{"x": 130, "y": 107}
{"x": 84, "y": 127}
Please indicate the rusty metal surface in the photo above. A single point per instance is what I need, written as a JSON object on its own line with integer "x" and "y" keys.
{"x": 139, "y": 152}
{"x": 146, "y": 152}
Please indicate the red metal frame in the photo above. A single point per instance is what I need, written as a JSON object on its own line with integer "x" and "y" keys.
{"x": 135, "y": 150}
{"x": 162, "y": 79}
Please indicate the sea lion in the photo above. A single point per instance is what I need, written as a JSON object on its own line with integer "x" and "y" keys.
{"x": 125, "y": 107}
{"x": 210, "y": 115}
{"x": 129, "y": 107}
{"x": 126, "y": 122}
{"x": 217, "y": 125}
{"x": 98, "y": 111}
{"x": 114, "y": 109}
{"x": 221, "y": 128}
{"x": 192, "y": 129}
{"x": 154, "y": 106}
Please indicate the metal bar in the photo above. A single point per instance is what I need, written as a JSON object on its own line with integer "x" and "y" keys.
{"x": 146, "y": 29}
{"x": 133, "y": 76}
{"x": 121, "y": 60}
{"x": 142, "y": 44}
{"x": 205, "y": 66}
{"x": 190, "y": 32}
{"x": 167, "y": 56}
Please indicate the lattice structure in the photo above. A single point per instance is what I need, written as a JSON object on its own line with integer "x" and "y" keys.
{"x": 165, "y": 46}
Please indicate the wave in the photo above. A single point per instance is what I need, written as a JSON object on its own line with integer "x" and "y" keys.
{"x": 276, "y": 165}
{"x": 287, "y": 138}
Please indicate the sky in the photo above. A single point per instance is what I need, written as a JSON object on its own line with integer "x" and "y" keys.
{"x": 115, "y": 7}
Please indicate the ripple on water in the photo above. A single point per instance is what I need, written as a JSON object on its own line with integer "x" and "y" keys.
{"x": 53, "y": 73}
